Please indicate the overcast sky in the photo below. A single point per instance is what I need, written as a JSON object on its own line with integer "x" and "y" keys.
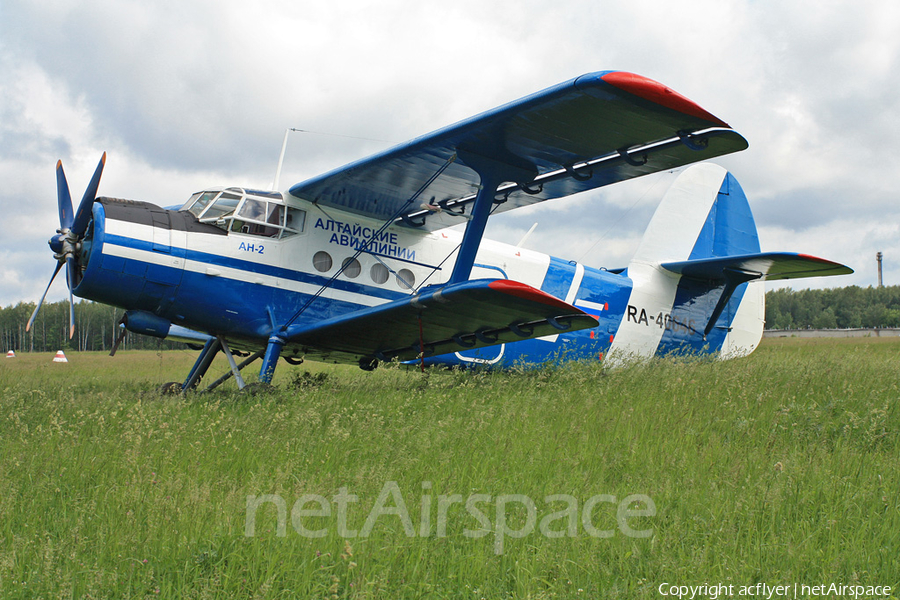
{"x": 188, "y": 94}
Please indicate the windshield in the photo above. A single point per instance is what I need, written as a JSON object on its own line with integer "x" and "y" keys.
{"x": 248, "y": 212}
{"x": 222, "y": 207}
{"x": 198, "y": 202}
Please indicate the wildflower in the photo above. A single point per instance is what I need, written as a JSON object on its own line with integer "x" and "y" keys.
{"x": 348, "y": 550}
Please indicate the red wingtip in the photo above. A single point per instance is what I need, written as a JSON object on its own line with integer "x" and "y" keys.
{"x": 654, "y": 91}
{"x": 523, "y": 290}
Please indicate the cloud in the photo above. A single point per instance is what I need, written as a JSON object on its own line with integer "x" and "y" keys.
{"x": 195, "y": 93}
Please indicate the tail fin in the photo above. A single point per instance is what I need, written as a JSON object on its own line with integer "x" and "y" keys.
{"x": 704, "y": 214}
{"x": 699, "y": 271}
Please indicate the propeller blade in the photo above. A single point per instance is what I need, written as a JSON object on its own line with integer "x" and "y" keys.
{"x": 83, "y": 216}
{"x": 71, "y": 270}
{"x": 66, "y": 216}
{"x": 119, "y": 339}
{"x": 38, "y": 307}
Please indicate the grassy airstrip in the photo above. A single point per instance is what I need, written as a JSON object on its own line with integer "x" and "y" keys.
{"x": 781, "y": 468}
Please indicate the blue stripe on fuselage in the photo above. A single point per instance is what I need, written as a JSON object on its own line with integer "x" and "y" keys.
{"x": 237, "y": 308}
{"x": 255, "y": 267}
{"x": 598, "y": 287}
{"x": 558, "y": 279}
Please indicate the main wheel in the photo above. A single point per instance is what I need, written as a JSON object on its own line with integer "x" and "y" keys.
{"x": 170, "y": 389}
{"x": 368, "y": 363}
{"x": 257, "y": 387}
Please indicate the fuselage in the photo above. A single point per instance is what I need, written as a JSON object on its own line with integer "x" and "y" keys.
{"x": 246, "y": 262}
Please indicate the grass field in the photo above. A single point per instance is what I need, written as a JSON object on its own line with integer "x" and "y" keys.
{"x": 578, "y": 482}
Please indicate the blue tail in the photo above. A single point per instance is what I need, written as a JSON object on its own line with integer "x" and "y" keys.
{"x": 699, "y": 269}
{"x": 703, "y": 216}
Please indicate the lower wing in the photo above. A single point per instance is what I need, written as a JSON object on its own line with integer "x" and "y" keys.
{"x": 440, "y": 320}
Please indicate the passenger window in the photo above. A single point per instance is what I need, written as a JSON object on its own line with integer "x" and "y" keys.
{"x": 352, "y": 268}
{"x": 322, "y": 261}
{"x": 379, "y": 273}
{"x": 405, "y": 279}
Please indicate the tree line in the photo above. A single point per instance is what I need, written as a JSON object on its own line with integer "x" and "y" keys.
{"x": 97, "y": 325}
{"x": 835, "y": 308}
{"x": 96, "y": 329}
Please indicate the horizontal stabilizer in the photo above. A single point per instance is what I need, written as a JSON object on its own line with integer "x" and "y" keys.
{"x": 765, "y": 266}
{"x": 441, "y": 320}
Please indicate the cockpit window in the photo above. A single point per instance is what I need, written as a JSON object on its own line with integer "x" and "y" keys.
{"x": 258, "y": 217}
{"x": 296, "y": 221}
{"x": 247, "y": 211}
{"x": 255, "y": 210}
{"x": 223, "y": 207}
{"x": 198, "y": 202}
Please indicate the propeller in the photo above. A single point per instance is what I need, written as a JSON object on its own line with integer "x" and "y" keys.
{"x": 66, "y": 244}
{"x": 122, "y": 322}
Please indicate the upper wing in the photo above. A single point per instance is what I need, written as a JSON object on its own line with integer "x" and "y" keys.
{"x": 594, "y": 130}
{"x": 768, "y": 266}
{"x": 456, "y": 317}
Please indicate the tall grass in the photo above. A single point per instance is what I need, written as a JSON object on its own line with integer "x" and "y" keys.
{"x": 782, "y": 467}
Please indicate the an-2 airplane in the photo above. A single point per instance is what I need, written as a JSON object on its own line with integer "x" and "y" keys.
{"x": 359, "y": 264}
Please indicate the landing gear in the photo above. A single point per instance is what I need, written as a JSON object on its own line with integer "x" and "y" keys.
{"x": 170, "y": 389}
{"x": 368, "y": 363}
{"x": 256, "y": 388}
{"x": 201, "y": 366}
{"x": 273, "y": 351}
{"x": 269, "y": 354}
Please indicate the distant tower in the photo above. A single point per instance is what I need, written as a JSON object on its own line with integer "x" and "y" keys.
{"x": 878, "y": 258}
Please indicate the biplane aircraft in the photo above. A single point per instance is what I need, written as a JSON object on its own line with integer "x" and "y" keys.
{"x": 360, "y": 265}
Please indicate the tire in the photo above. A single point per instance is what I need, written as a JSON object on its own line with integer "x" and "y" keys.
{"x": 257, "y": 388}
{"x": 171, "y": 388}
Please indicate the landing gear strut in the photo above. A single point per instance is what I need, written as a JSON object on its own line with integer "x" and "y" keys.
{"x": 201, "y": 366}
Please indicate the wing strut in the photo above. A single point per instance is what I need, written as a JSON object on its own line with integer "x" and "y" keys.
{"x": 493, "y": 174}
{"x": 276, "y": 341}
{"x": 481, "y": 210}
{"x": 363, "y": 247}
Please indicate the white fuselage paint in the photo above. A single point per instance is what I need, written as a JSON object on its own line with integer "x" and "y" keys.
{"x": 433, "y": 254}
